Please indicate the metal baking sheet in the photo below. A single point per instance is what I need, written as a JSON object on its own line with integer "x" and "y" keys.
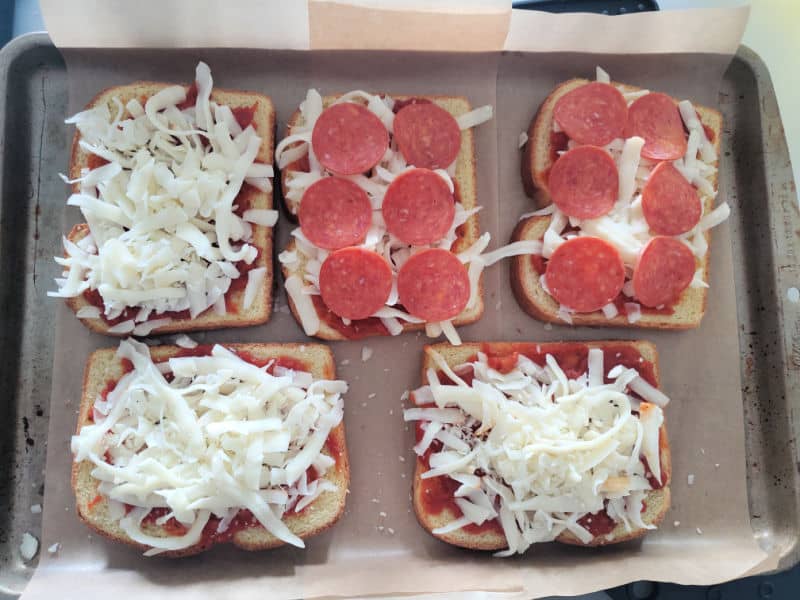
{"x": 35, "y": 142}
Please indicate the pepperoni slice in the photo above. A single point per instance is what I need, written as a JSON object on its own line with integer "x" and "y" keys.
{"x": 335, "y": 213}
{"x": 670, "y": 204}
{"x": 354, "y": 282}
{"x": 433, "y": 285}
{"x": 594, "y": 113}
{"x": 664, "y": 269}
{"x": 348, "y": 139}
{"x": 656, "y": 118}
{"x": 418, "y": 207}
{"x": 584, "y": 182}
{"x": 427, "y": 135}
{"x": 585, "y": 273}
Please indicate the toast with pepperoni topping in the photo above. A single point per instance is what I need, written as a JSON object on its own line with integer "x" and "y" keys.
{"x": 465, "y": 180}
{"x": 541, "y": 150}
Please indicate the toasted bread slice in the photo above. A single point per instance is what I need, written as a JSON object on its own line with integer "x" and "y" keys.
{"x": 466, "y": 184}
{"x": 104, "y": 366}
{"x": 657, "y": 501}
{"x": 537, "y": 158}
{"x": 264, "y": 124}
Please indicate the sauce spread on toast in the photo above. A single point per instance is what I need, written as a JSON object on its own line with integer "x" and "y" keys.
{"x": 436, "y": 494}
{"x": 598, "y": 523}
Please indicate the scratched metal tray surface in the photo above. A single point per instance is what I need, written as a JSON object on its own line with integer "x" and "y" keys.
{"x": 33, "y": 148}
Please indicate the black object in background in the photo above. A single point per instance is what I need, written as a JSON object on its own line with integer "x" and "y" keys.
{"x": 606, "y": 7}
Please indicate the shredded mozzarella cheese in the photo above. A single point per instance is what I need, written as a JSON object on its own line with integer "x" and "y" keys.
{"x": 220, "y": 436}
{"x": 538, "y": 450}
{"x": 164, "y": 235}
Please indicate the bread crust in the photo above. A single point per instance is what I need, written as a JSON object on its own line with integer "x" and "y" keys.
{"x": 657, "y": 501}
{"x": 466, "y": 180}
{"x": 687, "y": 312}
{"x": 264, "y": 122}
{"x": 323, "y": 513}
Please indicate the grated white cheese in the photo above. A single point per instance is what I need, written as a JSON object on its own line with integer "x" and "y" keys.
{"x": 88, "y": 312}
{"x": 222, "y": 435}
{"x": 184, "y": 341}
{"x": 255, "y": 281}
{"x": 610, "y": 310}
{"x": 164, "y": 234}
{"x": 475, "y": 117}
{"x": 551, "y": 449}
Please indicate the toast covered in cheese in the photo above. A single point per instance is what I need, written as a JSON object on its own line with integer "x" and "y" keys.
{"x": 177, "y": 450}
{"x": 175, "y": 185}
{"x": 521, "y": 443}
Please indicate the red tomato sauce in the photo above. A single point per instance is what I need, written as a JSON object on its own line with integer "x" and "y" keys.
{"x": 598, "y": 523}
{"x": 400, "y": 104}
{"x": 436, "y": 495}
{"x": 356, "y": 330}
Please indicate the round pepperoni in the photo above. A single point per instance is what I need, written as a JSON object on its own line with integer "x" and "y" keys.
{"x": 585, "y": 273}
{"x": 670, "y": 204}
{"x": 656, "y": 118}
{"x": 433, "y": 285}
{"x": 418, "y": 207}
{"x": 427, "y": 135}
{"x": 594, "y": 113}
{"x": 664, "y": 269}
{"x": 584, "y": 182}
{"x": 348, "y": 139}
{"x": 335, "y": 213}
{"x": 355, "y": 282}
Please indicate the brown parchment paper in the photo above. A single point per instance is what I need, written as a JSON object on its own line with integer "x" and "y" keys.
{"x": 713, "y": 541}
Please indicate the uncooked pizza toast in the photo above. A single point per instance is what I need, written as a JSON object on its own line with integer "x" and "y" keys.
{"x": 521, "y": 443}
{"x": 385, "y": 194}
{"x": 626, "y": 181}
{"x": 235, "y": 462}
{"x": 175, "y": 185}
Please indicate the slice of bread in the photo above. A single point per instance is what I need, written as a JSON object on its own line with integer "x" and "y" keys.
{"x": 657, "y": 501}
{"x": 537, "y": 159}
{"x": 264, "y": 124}
{"x": 104, "y": 366}
{"x": 466, "y": 183}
